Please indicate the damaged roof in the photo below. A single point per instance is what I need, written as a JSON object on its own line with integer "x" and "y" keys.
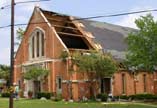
{"x": 111, "y": 37}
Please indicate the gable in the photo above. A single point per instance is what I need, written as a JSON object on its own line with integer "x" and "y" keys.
{"x": 36, "y": 22}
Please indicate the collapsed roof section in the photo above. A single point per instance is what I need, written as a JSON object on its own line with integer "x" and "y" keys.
{"x": 67, "y": 31}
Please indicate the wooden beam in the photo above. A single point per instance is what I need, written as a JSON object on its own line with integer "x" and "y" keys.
{"x": 58, "y": 26}
{"x": 53, "y": 19}
{"x": 69, "y": 34}
{"x": 81, "y": 50}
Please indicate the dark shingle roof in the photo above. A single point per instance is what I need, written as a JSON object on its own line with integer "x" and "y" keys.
{"x": 111, "y": 37}
{"x": 107, "y": 35}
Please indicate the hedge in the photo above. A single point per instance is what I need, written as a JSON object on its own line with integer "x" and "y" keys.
{"x": 47, "y": 95}
{"x": 102, "y": 96}
{"x": 138, "y": 97}
{"x": 5, "y": 94}
{"x": 143, "y": 96}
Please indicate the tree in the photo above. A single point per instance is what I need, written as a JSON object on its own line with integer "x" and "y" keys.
{"x": 101, "y": 64}
{"x": 34, "y": 73}
{"x": 96, "y": 66}
{"x": 142, "y": 45}
{"x": 4, "y": 72}
{"x": 105, "y": 66}
{"x": 19, "y": 33}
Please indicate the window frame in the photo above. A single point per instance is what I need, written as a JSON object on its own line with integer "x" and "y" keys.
{"x": 123, "y": 83}
{"x": 144, "y": 83}
{"x": 37, "y": 49}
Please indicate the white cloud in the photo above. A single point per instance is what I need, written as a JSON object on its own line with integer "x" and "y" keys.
{"x": 129, "y": 20}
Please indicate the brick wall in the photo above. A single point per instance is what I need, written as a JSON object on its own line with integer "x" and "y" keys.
{"x": 134, "y": 84}
{"x": 53, "y": 49}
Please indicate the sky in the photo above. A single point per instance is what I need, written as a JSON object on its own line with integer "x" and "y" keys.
{"x": 80, "y": 8}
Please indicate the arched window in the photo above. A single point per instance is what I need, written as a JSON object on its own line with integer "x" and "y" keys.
{"x": 37, "y": 44}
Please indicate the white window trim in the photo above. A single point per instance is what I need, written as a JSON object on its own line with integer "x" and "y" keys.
{"x": 34, "y": 34}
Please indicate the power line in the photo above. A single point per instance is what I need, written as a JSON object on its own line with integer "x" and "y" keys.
{"x": 23, "y": 2}
{"x": 24, "y": 24}
{"x": 120, "y": 14}
{"x": 93, "y": 17}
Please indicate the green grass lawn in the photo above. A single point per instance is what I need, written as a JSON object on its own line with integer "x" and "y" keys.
{"x": 24, "y": 103}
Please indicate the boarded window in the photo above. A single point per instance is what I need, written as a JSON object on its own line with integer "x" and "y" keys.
{"x": 37, "y": 42}
{"x": 33, "y": 47}
{"x": 123, "y": 84}
{"x": 144, "y": 82}
{"x": 43, "y": 44}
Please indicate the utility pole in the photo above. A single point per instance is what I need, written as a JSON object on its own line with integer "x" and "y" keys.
{"x": 12, "y": 55}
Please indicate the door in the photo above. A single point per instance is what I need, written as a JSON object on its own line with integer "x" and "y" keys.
{"x": 106, "y": 85}
{"x": 37, "y": 87}
{"x": 59, "y": 85}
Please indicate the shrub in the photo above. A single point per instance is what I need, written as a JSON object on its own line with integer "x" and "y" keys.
{"x": 47, "y": 95}
{"x": 124, "y": 97}
{"x": 98, "y": 96}
{"x": 138, "y": 97}
{"x": 30, "y": 94}
{"x": 5, "y": 94}
{"x": 92, "y": 98}
{"x": 142, "y": 96}
{"x": 102, "y": 96}
{"x": 21, "y": 93}
{"x": 155, "y": 97}
{"x": 58, "y": 97}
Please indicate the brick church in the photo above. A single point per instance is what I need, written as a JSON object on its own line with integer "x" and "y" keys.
{"x": 48, "y": 34}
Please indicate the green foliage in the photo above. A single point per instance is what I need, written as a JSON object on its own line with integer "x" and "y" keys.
{"x": 5, "y": 94}
{"x": 143, "y": 96}
{"x": 4, "y": 72}
{"x": 142, "y": 45}
{"x": 138, "y": 97}
{"x": 64, "y": 55}
{"x": 102, "y": 96}
{"x": 34, "y": 73}
{"x": 102, "y": 65}
{"x": 30, "y": 93}
{"x": 47, "y": 95}
{"x": 20, "y": 33}
{"x": 57, "y": 98}
{"x": 85, "y": 62}
{"x": 105, "y": 66}
{"x": 122, "y": 97}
